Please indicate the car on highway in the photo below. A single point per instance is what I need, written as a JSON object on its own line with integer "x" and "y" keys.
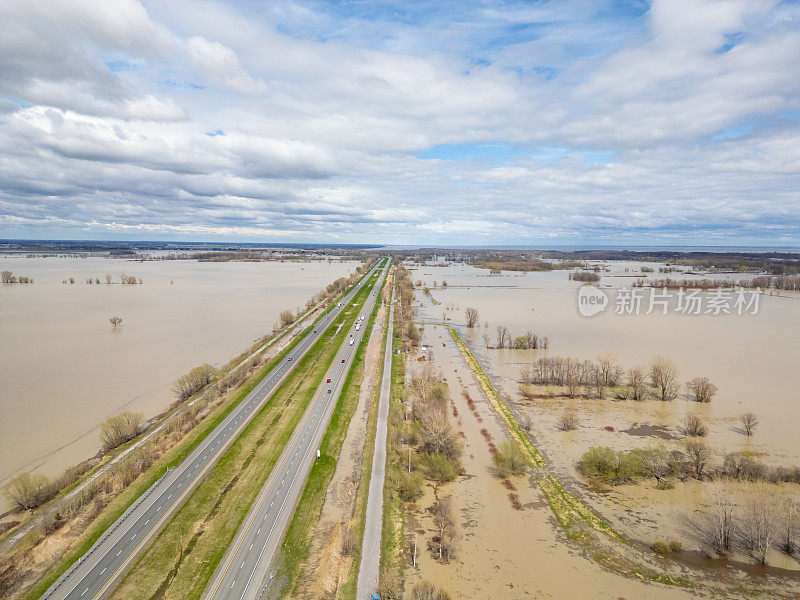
{"x": 342, "y": 361}
{"x": 329, "y": 380}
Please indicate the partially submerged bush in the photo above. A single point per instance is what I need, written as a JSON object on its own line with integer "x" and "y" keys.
{"x": 439, "y": 467}
{"x": 615, "y": 468}
{"x": 660, "y": 548}
{"x": 510, "y": 460}
{"x": 568, "y": 421}
{"x": 428, "y": 591}
{"x": 409, "y": 488}
{"x": 693, "y": 426}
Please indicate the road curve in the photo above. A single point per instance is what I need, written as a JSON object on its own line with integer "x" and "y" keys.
{"x": 373, "y": 524}
{"x": 244, "y": 572}
{"x": 96, "y": 571}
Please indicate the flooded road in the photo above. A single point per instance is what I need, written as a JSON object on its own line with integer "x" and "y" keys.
{"x": 752, "y": 358}
{"x": 64, "y": 369}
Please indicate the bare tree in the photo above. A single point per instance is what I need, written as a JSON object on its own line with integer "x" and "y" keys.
{"x": 27, "y": 490}
{"x": 609, "y": 369}
{"x": 120, "y": 428}
{"x": 749, "y": 422}
{"x": 699, "y": 456}
{"x": 115, "y": 321}
{"x": 701, "y": 389}
{"x": 760, "y": 530}
{"x": 791, "y": 510}
{"x": 568, "y": 421}
{"x": 472, "y": 317}
{"x": 656, "y": 463}
{"x": 486, "y": 340}
{"x": 637, "y": 382}
{"x": 693, "y": 426}
{"x": 664, "y": 378}
{"x": 527, "y": 421}
{"x": 722, "y": 518}
{"x": 531, "y": 340}
{"x": 443, "y": 542}
{"x": 503, "y": 336}
{"x": 194, "y": 381}
{"x": 573, "y": 385}
{"x": 109, "y": 278}
{"x": 8, "y": 277}
{"x": 286, "y": 317}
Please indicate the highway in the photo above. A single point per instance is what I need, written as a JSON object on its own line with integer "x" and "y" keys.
{"x": 97, "y": 570}
{"x": 373, "y": 524}
{"x": 244, "y": 572}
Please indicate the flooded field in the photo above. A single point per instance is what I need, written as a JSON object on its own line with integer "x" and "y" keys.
{"x": 500, "y": 551}
{"x": 64, "y": 369}
{"x": 519, "y": 547}
{"x": 752, "y": 358}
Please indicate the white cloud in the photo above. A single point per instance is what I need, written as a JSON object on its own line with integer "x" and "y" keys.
{"x": 314, "y": 134}
{"x": 220, "y": 66}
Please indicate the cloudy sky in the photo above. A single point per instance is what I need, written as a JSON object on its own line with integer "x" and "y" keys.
{"x": 434, "y": 122}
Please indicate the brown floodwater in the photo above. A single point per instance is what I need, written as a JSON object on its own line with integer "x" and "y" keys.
{"x": 753, "y": 359}
{"x": 63, "y": 369}
{"x": 502, "y": 552}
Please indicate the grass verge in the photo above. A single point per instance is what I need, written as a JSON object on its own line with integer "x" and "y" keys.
{"x": 392, "y": 527}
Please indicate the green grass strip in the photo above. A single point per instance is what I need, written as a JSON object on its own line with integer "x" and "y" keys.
{"x": 392, "y": 526}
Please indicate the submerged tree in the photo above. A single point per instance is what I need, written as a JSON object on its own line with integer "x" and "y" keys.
{"x": 664, "y": 378}
{"x": 701, "y": 389}
{"x": 115, "y": 321}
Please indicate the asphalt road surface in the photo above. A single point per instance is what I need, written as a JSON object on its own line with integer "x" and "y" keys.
{"x": 244, "y": 572}
{"x": 371, "y": 545}
{"x": 98, "y": 569}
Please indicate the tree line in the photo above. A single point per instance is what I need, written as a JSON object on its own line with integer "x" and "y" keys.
{"x": 595, "y": 378}
{"x": 779, "y": 282}
{"x": 9, "y": 277}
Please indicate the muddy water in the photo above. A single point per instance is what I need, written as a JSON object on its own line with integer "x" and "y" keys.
{"x": 752, "y": 358}
{"x": 64, "y": 369}
{"x": 503, "y": 552}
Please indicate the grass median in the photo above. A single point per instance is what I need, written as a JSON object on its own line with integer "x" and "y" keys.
{"x": 392, "y": 561}
{"x": 184, "y": 555}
